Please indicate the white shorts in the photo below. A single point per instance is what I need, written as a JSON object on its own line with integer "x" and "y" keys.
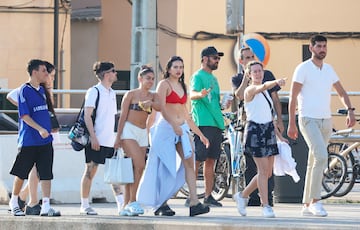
{"x": 131, "y": 131}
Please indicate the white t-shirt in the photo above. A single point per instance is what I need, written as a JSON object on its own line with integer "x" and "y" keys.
{"x": 315, "y": 95}
{"x": 105, "y": 113}
{"x": 13, "y": 94}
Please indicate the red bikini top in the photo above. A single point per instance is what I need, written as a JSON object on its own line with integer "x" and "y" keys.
{"x": 174, "y": 98}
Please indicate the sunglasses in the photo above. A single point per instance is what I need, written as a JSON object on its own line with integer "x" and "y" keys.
{"x": 215, "y": 57}
{"x": 109, "y": 71}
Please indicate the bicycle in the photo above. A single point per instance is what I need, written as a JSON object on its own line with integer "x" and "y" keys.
{"x": 221, "y": 177}
{"x": 345, "y": 143}
{"x": 230, "y": 168}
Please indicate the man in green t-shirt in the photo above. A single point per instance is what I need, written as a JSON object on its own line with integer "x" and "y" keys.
{"x": 206, "y": 113}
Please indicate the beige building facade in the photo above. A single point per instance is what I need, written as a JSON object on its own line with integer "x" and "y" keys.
{"x": 27, "y": 33}
{"x": 186, "y": 27}
{"x": 101, "y": 30}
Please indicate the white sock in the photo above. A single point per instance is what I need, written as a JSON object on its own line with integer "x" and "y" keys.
{"x": 45, "y": 206}
{"x": 119, "y": 201}
{"x": 14, "y": 202}
{"x": 85, "y": 203}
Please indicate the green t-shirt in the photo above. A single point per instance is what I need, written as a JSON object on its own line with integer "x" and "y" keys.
{"x": 206, "y": 111}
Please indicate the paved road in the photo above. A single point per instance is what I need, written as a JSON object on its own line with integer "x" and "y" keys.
{"x": 343, "y": 214}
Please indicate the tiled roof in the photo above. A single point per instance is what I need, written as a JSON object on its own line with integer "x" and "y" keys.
{"x": 86, "y": 14}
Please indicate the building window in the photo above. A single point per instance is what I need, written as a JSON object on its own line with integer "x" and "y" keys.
{"x": 306, "y": 54}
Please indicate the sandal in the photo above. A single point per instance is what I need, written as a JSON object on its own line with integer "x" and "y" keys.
{"x": 164, "y": 210}
{"x": 198, "y": 209}
{"x": 135, "y": 208}
{"x": 17, "y": 212}
{"x": 51, "y": 212}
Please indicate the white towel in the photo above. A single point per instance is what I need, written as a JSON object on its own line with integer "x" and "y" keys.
{"x": 284, "y": 163}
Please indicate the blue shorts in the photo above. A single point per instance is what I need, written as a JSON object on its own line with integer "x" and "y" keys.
{"x": 215, "y": 136}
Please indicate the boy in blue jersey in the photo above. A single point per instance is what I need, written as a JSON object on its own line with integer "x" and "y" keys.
{"x": 34, "y": 139}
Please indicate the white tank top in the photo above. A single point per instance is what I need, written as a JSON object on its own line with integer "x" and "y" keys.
{"x": 258, "y": 110}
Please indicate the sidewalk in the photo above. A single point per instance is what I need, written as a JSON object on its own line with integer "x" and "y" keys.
{"x": 341, "y": 216}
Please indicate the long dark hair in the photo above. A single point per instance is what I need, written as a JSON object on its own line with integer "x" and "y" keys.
{"x": 49, "y": 68}
{"x": 168, "y": 66}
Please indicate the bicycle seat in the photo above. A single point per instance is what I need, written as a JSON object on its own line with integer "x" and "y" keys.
{"x": 344, "y": 132}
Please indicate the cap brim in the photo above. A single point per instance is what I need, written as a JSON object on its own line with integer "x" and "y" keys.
{"x": 220, "y": 54}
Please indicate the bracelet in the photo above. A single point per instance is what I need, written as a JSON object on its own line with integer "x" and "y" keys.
{"x": 351, "y": 109}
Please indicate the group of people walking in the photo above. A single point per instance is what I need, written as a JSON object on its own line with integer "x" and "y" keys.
{"x": 162, "y": 121}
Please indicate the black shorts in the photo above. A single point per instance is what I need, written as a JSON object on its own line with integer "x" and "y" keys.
{"x": 214, "y": 134}
{"x": 98, "y": 157}
{"x": 42, "y": 156}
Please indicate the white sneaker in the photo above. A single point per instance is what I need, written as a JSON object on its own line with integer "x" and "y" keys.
{"x": 305, "y": 211}
{"x": 241, "y": 203}
{"x": 88, "y": 211}
{"x": 268, "y": 212}
{"x": 317, "y": 209}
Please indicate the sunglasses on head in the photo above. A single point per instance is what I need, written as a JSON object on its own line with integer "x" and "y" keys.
{"x": 109, "y": 71}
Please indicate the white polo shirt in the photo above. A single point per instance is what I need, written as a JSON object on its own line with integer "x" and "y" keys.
{"x": 105, "y": 113}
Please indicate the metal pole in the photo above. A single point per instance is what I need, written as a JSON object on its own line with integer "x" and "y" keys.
{"x": 144, "y": 48}
{"x": 56, "y": 46}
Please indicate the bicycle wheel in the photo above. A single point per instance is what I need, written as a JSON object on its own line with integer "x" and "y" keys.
{"x": 222, "y": 173}
{"x": 238, "y": 181}
{"x": 350, "y": 175}
{"x": 334, "y": 175}
{"x": 221, "y": 177}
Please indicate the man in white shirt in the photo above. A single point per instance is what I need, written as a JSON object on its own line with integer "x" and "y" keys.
{"x": 311, "y": 88}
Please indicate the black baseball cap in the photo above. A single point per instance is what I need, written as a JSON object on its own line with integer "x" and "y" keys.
{"x": 211, "y": 50}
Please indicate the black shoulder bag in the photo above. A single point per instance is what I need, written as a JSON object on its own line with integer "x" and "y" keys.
{"x": 271, "y": 107}
{"x": 79, "y": 134}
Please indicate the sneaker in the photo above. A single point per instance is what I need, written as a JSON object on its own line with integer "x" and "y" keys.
{"x": 187, "y": 202}
{"x": 199, "y": 209}
{"x": 135, "y": 208}
{"x": 305, "y": 211}
{"x": 241, "y": 203}
{"x": 88, "y": 211}
{"x": 33, "y": 211}
{"x": 317, "y": 209}
{"x": 51, "y": 212}
{"x": 210, "y": 201}
{"x": 17, "y": 212}
{"x": 21, "y": 203}
{"x": 268, "y": 212}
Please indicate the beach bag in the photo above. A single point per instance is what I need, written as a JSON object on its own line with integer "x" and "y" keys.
{"x": 118, "y": 169}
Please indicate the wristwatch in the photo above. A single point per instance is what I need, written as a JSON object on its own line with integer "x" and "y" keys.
{"x": 351, "y": 108}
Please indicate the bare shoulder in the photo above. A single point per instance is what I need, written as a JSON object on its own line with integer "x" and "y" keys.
{"x": 249, "y": 93}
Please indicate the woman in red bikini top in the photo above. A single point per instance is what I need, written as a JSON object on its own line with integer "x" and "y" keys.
{"x": 172, "y": 97}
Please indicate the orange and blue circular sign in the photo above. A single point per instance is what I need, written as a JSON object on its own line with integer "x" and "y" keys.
{"x": 259, "y": 46}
